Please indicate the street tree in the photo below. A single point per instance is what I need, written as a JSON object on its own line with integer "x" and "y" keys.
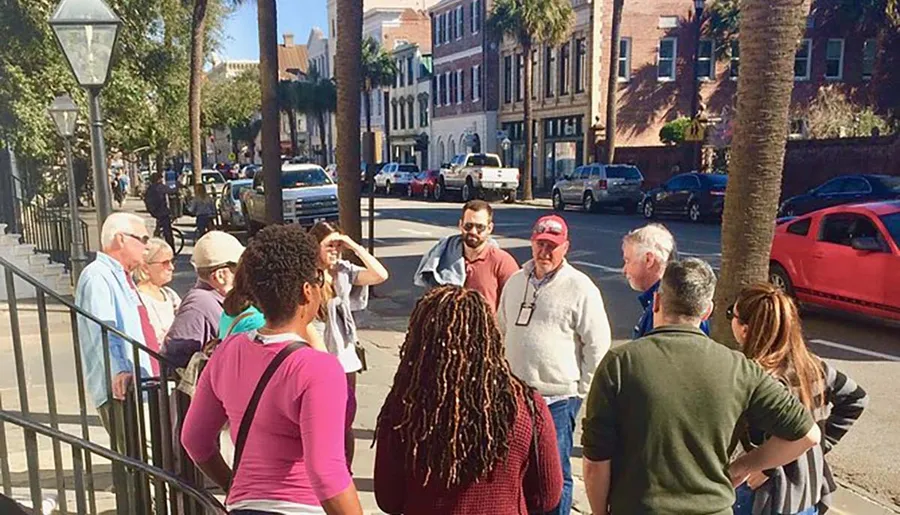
{"x": 612, "y": 87}
{"x": 267, "y": 18}
{"x": 317, "y": 97}
{"x": 770, "y": 33}
{"x": 288, "y": 102}
{"x": 246, "y": 131}
{"x": 228, "y": 102}
{"x": 347, "y": 75}
{"x": 379, "y": 70}
{"x": 530, "y": 23}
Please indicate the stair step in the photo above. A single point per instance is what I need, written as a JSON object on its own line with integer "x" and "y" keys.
{"x": 39, "y": 259}
{"x": 24, "y": 249}
{"x": 10, "y": 239}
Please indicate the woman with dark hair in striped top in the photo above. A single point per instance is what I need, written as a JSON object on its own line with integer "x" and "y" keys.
{"x": 766, "y": 324}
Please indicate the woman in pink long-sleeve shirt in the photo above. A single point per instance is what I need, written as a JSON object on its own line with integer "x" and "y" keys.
{"x": 293, "y": 461}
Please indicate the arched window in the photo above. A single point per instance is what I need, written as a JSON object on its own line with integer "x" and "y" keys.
{"x": 452, "y": 148}
{"x": 442, "y": 153}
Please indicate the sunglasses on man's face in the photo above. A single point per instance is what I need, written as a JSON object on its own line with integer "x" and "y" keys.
{"x": 468, "y": 226}
{"x": 145, "y": 239}
{"x": 548, "y": 227}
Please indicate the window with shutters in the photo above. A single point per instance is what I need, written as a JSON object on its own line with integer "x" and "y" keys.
{"x": 564, "y": 69}
{"x": 507, "y": 79}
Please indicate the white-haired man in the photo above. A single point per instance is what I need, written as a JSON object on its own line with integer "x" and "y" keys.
{"x": 646, "y": 252}
{"x": 106, "y": 291}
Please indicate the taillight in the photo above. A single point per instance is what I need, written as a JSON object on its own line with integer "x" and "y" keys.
{"x": 601, "y": 184}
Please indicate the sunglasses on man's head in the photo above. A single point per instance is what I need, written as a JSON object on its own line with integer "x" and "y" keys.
{"x": 548, "y": 227}
{"x": 468, "y": 226}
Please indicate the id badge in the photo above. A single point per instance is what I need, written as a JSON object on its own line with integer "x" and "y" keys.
{"x": 525, "y": 312}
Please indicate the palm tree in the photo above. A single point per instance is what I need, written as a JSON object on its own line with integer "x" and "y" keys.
{"x": 612, "y": 87}
{"x": 770, "y": 33}
{"x": 271, "y": 126}
{"x": 530, "y": 23}
{"x": 347, "y": 74}
{"x": 288, "y": 104}
{"x": 198, "y": 35}
{"x": 317, "y": 97}
{"x": 378, "y": 71}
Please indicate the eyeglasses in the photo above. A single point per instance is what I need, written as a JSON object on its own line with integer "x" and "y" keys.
{"x": 468, "y": 226}
{"x": 549, "y": 227}
{"x": 170, "y": 262}
{"x": 145, "y": 239}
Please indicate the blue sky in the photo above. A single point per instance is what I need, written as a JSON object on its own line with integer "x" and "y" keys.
{"x": 241, "y": 39}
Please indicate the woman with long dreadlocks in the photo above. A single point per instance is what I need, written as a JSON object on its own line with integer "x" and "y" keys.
{"x": 458, "y": 432}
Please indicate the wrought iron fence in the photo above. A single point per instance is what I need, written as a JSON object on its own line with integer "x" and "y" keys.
{"x": 149, "y": 471}
{"x": 45, "y": 224}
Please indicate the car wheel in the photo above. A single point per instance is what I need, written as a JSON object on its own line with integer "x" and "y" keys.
{"x": 588, "y": 202}
{"x": 439, "y": 191}
{"x": 425, "y": 192}
{"x": 558, "y": 203}
{"x": 779, "y": 277}
{"x": 510, "y": 197}
{"x": 467, "y": 191}
{"x": 694, "y": 212}
{"x": 649, "y": 209}
{"x": 387, "y": 188}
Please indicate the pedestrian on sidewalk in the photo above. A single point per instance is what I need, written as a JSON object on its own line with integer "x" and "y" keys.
{"x": 204, "y": 208}
{"x": 346, "y": 290}
{"x": 473, "y": 259}
{"x": 106, "y": 291}
{"x": 646, "y": 252}
{"x": 766, "y": 324}
{"x": 152, "y": 278}
{"x": 459, "y": 433}
{"x": 663, "y": 411}
{"x": 284, "y": 402}
{"x": 215, "y": 259}
{"x": 556, "y": 332}
{"x": 156, "y": 200}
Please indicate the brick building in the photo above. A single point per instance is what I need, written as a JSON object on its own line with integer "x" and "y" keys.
{"x": 655, "y": 67}
{"x": 566, "y": 98}
{"x": 410, "y": 105}
{"x": 464, "y": 85}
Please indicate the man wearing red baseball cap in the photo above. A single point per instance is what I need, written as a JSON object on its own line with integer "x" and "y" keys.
{"x": 556, "y": 333}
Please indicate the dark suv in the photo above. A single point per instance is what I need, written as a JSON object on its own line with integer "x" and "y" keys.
{"x": 696, "y": 195}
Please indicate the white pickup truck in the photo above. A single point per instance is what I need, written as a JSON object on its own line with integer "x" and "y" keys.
{"x": 477, "y": 175}
{"x": 308, "y": 194}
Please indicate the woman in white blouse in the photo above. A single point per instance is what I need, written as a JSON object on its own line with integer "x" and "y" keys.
{"x": 152, "y": 277}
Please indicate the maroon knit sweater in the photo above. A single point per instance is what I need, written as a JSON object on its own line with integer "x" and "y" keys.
{"x": 517, "y": 485}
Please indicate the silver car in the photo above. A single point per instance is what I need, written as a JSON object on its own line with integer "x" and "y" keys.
{"x": 594, "y": 185}
{"x": 230, "y": 206}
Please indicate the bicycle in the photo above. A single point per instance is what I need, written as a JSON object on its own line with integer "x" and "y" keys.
{"x": 177, "y": 237}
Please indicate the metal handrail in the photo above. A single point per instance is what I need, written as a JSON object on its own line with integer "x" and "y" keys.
{"x": 208, "y": 502}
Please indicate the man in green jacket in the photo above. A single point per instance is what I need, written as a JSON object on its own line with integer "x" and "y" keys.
{"x": 662, "y": 410}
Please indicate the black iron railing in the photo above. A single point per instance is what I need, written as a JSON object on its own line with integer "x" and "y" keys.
{"x": 45, "y": 224}
{"x": 150, "y": 471}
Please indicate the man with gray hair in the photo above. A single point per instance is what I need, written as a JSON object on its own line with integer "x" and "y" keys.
{"x": 645, "y": 253}
{"x": 106, "y": 291}
{"x": 662, "y": 411}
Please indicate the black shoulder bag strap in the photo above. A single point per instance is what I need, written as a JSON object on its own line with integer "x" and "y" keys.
{"x": 254, "y": 402}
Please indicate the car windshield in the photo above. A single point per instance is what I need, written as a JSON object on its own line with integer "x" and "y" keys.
{"x": 302, "y": 178}
{"x": 717, "y": 180}
{"x": 213, "y": 178}
{"x": 484, "y": 160}
{"x": 892, "y": 222}
{"x": 236, "y": 189}
{"x": 891, "y": 183}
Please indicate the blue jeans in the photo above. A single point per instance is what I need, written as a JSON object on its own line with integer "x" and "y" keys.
{"x": 743, "y": 503}
{"x": 564, "y": 415}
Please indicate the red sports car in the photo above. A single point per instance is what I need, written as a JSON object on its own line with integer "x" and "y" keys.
{"x": 423, "y": 184}
{"x": 845, "y": 257}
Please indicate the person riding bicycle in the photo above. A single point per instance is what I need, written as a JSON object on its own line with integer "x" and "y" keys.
{"x": 157, "y": 204}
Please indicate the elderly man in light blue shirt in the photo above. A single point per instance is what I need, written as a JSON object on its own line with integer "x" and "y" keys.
{"x": 105, "y": 290}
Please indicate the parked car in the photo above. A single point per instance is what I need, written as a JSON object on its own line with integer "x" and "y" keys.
{"x": 845, "y": 189}
{"x": 308, "y": 194}
{"x": 845, "y": 257}
{"x": 697, "y": 196}
{"x": 395, "y": 176}
{"x": 592, "y": 186}
{"x": 230, "y": 206}
{"x": 424, "y": 184}
{"x": 213, "y": 181}
{"x": 477, "y": 175}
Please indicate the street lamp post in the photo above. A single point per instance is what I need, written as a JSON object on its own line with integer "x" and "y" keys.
{"x": 64, "y": 113}
{"x": 699, "y": 5}
{"x": 87, "y": 31}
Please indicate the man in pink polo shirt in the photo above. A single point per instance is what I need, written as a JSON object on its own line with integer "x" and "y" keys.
{"x": 488, "y": 267}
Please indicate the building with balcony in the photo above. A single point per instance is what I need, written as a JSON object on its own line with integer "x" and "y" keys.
{"x": 410, "y": 106}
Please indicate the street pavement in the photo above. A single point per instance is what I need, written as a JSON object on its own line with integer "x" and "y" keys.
{"x": 866, "y": 462}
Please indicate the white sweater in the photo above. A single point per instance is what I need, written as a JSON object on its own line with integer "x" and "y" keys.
{"x": 559, "y": 350}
